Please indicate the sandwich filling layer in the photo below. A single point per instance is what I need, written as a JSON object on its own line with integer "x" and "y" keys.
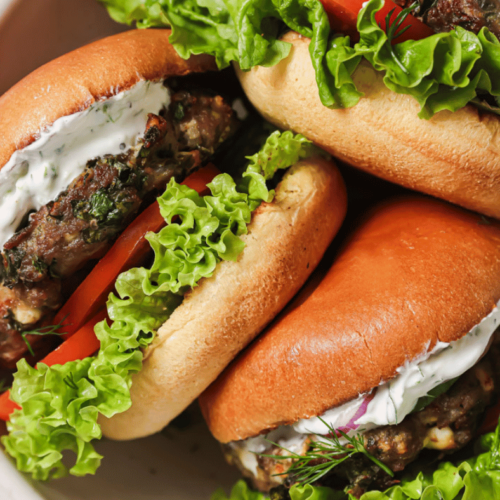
{"x": 435, "y": 401}
{"x": 36, "y": 174}
{"x": 60, "y": 404}
{"x": 65, "y": 198}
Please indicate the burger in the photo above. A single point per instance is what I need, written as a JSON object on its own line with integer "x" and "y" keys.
{"x": 381, "y": 368}
{"x": 404, "y": 90}
{"x": 131, "y": 270}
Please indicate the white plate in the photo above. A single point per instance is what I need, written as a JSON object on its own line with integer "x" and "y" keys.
{"x": 175, "y": 465}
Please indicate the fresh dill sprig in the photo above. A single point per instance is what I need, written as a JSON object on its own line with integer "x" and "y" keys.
{"x": 323, "y": 455}
{"x": 391, "y": 29}
{"x": 44, "y": 330}
{"x": 69, "y": 380}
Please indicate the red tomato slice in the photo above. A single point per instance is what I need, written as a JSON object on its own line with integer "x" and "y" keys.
{"x": 127, "y": 252}
{"x": 7, "y": 406}
{"x": 343, "y": 15}
{"x": 82, "y": 344}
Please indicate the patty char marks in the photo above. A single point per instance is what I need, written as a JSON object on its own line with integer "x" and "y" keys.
{"x": 82, "y": 223}
{"x": 447, "y": 424}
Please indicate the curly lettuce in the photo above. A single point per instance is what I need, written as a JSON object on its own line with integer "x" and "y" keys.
{"x": 476, "y": 478}
{"x": 245, "y": 31}
{"x": 443, "y": 72}
{"x": 61, "y": 403}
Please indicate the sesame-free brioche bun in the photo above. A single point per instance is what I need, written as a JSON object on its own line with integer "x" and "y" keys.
{"x": 76, "y": 80}
{"x": 414, "y": 272}
{"x": 454, "y": 156}
{"x": 286, "y": 240}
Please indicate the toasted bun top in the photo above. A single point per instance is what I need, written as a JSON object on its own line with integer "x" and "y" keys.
{"x": 75, "y": 81}
{"x": 414, "y": 272}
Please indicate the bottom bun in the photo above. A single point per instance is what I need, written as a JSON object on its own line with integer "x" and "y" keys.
{"x": 286, "y": 240}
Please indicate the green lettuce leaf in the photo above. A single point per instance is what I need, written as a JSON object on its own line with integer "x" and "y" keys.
{"x": 443, "y": 72}
{"x": 61, "y": 404}
{"x": 309, "y": 492}
{"x": 211, "y": 226}
{"x": 247, "y": 31}
{"x": 240, "y": 491}
{"x": 426, "y": 400}
{"x": 474, "y": 479}
{"x": 281, "y": 150}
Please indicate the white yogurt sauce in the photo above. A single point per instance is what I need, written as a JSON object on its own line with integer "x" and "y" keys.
{"x": 35, "y": 175}
{"x": 393, "y": 400}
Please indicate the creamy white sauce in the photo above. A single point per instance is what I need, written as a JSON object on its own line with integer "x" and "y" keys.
{"x": 36, "y": 175}
{"x": 285, "y": 436}
{"x": 393, "y": 400}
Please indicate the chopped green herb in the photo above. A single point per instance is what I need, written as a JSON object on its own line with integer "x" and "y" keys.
{"x": 178, "y": 111}
{"x": 28, "y": 345}
{"x": 69, "y": 380}
{"x": 49, "y": 330}
{"x": 39, "y": 264}
{"x": 11, "y": 262}
{"x": 392, "y": 31}
{"x": 104, "y": 207}
{"x": 105, "y": 111}
{"x": 44, "y": 330}
{"x": 324, "y": 454}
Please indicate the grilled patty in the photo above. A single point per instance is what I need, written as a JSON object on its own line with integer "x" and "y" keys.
{"x": 447, "y": 424}
{"x": 80, "y": 225}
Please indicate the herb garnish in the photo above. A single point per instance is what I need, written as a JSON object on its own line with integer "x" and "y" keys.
{"x": 178, "y": 111}
{"x": 324, "y": 454}
{"x": 44, "y": 330}
{"x": 69, "y": 380}
{"x": 39, "y": 264}
{"x": 392, "y": 31}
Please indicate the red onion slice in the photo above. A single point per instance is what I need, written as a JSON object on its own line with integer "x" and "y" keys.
{"x": 351, "y": 425}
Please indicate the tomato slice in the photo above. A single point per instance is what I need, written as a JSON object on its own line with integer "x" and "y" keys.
{"x": 127, "y": 252}
{"x": 7, "y": 406}
{"x": 343, "y": 15}
{"x": 82, "y": 344}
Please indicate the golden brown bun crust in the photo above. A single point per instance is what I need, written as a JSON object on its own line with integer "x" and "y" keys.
{"x": 286, "y": 240}
{"x": 95, "y": 72}
{"x": 454, "y": 156}
{"x": 414, "y": 272}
